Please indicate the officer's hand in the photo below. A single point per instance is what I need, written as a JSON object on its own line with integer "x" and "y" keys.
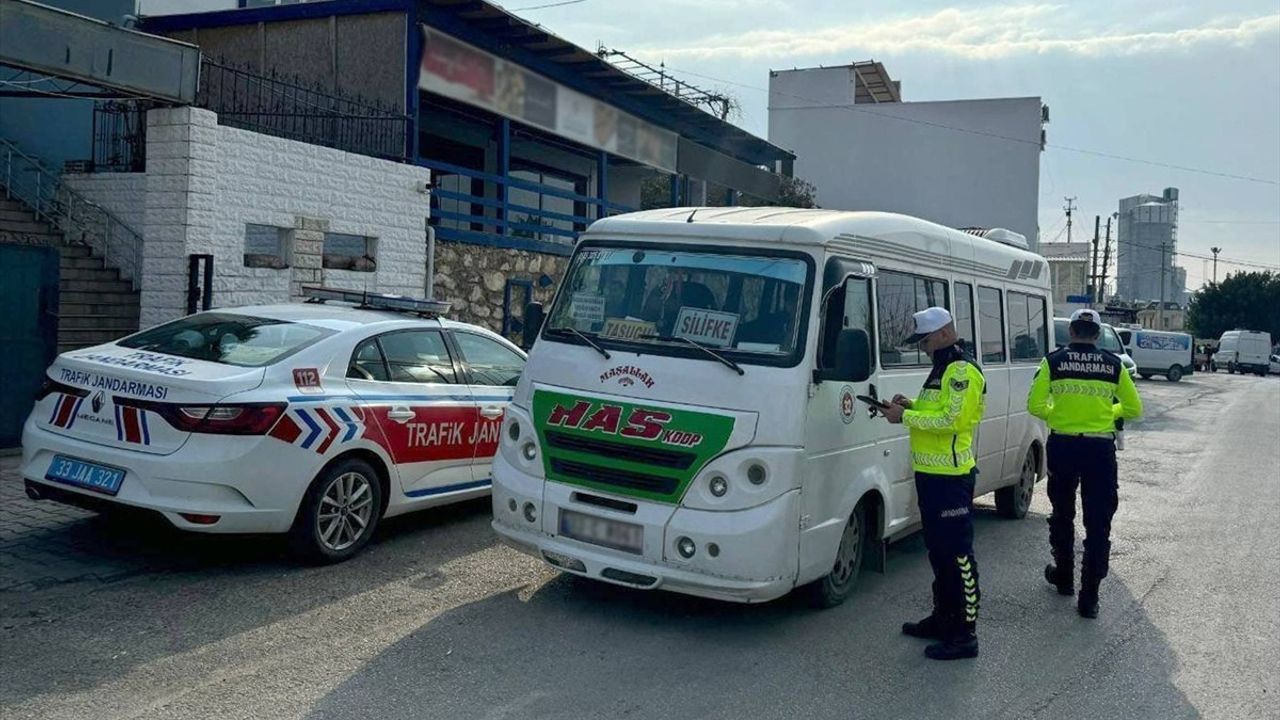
{"x": 893, "y": 413}
{"x": 902, "y": 400}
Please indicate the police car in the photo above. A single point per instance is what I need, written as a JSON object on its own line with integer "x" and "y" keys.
{"x": 314, "y": 419}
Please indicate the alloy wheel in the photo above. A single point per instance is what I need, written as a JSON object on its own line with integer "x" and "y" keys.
{"x": 346, "y": 508}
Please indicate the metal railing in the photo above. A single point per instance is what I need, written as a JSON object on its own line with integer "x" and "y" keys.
{"x": 120, "y": 136}
{"x": 80, "y": 221}
{"x": 288, "y": 107}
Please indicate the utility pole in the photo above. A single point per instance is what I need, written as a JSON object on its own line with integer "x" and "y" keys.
{"x": 1164, "y": 247}
{"x": 1106, "y": 264}
{"x": 1215, "y": 251}
{"x": 1070, "y": 206}
{"x": 1093, "y": 265}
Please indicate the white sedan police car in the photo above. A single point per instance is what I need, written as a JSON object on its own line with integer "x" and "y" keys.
{"x": 314, "y": 419}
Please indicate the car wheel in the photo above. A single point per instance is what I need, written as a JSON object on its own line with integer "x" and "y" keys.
{"x": 837, "y": 585}
{"x": 1231, "y": 368}
{"x": 1175, "y": 374}
{"x": 1014, "y": 501}
{"x": 339, "y": 513}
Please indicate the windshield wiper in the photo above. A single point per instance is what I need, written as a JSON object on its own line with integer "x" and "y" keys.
{"x": 722, "y": 359}
{"x": 587, "y": 339}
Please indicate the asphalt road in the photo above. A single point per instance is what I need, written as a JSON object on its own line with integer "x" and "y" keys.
{"x": 437, "y": 621}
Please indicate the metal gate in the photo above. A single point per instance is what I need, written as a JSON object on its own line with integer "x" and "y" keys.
{"x": 29, "y": 298}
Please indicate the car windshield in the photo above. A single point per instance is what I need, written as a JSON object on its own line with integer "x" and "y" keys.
{"x": 227, "y": 338}
{"x": 1108, "y": 340}
{"x": 747, "y": 304}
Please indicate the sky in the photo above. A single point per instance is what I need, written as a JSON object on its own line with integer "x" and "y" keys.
{"x": 1191, "y": 85}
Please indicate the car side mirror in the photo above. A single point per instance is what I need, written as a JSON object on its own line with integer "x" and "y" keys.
{"x": 533, "y": 317}
{"x": 853, "y": 357}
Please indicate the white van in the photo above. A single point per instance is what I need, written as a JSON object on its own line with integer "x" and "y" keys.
{"x": 688, "y": 419}
{"x": 1159, "y": 352}
{"x": 1244, "y": 350}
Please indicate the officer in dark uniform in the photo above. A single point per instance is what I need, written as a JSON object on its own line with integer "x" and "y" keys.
{"x": 941, "y": 420}
{"x": 1075, "y": 392}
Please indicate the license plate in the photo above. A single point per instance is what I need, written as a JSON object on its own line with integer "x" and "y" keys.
{"x": 87, "y": 475}
{"x": 602, "y": 531}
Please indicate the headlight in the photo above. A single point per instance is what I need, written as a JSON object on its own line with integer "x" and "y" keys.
{"x": 757, "y": 474}
{"x": 686, "y": 547}
{"x": 513, "y": 429}
{"x": 529, "y": 451}
{"x": 718, "y": 485}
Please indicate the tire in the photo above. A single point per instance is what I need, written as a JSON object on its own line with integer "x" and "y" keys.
{"x": 1175, "y": 374}
{"x": 1145, "y": 376}
{"x": 323, "y": 536}
{"x": 1014, "y": 501}
{"x": 835, "y": 587}
{"x": 1231, "y": 367}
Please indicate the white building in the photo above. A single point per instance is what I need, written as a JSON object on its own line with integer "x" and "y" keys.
{"x": 1147, "y": 245}
{"x": 961, "y": 163}
{"x": 1068, "y": 270}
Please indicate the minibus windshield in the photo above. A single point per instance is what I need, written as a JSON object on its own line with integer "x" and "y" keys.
{"x": 748, "y": 306}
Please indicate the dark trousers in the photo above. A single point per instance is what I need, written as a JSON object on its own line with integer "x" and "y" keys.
{"x": 1090, "y": 464}
{"x": 946, "y": 513}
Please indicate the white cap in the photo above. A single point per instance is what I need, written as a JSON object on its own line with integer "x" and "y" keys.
{"x": 1087, "y": 315}
{"x": 929, "y": 321}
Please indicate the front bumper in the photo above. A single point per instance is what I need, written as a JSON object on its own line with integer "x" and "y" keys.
{"x": 250, "y": 483}
{"x": 756, "y": 548}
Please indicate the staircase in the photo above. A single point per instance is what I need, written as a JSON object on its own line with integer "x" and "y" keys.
{"x": 95, "y": 304}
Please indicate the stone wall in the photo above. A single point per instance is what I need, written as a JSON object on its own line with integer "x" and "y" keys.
{"x": 473, "y": 278}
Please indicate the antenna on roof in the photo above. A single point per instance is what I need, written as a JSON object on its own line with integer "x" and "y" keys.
{"x": 690, "y": 218}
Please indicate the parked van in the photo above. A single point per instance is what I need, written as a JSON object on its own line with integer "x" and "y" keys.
{"x": 1245, "y": 351}
{"x": 689, "y": 420}
{"x": 1158, "y": 352}
{"x": 1108, "y": 340}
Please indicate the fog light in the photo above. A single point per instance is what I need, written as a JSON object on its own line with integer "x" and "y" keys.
{"x": 530, "y": 512}
{"x": 756, "y": 474}
{"x": 513, "y": 431}
{"x": 685, "y": 547}
{"x": 564, "y": 561}
{"x": 713, "y": 549}
{"x": 530, "y": 451}
{"x": 718, "y": 486}
{"x": 511, "y": 504}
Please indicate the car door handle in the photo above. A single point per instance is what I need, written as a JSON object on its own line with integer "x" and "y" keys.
{"x": 492, "y": 411}
{"x": 400, "y": 414}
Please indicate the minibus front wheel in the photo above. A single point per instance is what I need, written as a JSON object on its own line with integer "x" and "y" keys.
{"x": 837, "y": 585}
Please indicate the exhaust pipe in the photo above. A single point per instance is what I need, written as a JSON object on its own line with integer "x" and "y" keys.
{"x": 33, "y": 490}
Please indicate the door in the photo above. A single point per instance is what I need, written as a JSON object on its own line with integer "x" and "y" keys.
{"x": 408, "y": 381}
{"x": 29, "y": 296}
{"x": 492, "y": 370}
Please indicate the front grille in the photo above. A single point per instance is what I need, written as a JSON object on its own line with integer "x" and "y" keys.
{"x": 649, "y": 456}
{"x": 612, "y": 476}
{"x": 629, "y": 578}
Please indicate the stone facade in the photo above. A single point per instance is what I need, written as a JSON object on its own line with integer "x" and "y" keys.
{"x": 474, "y": 277}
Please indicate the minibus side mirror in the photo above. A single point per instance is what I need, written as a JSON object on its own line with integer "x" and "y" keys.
{"x": 853, "y": 358}
{"x": 533, "y": 317}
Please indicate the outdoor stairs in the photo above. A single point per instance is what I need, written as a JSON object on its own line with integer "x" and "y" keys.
{"x": 95, "y": 304}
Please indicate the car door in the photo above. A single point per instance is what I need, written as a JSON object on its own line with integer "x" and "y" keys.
{"x": 409, "y": 383}
{"x": 491, "y": 368}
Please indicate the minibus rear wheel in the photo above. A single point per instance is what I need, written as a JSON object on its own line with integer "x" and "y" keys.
{"x": 1014, "y": 501}
{"x": 837, "y": 585}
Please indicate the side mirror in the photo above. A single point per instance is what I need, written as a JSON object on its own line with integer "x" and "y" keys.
{"x": 533, "y": 317}
{"x": 853, "y": 357}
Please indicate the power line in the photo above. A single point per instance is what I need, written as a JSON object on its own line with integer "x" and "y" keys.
{"x": 997, "y": 136}
{"x": 548, "y": 5}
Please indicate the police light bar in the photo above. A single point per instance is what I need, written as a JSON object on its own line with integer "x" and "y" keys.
{"x": 376, "y": 301}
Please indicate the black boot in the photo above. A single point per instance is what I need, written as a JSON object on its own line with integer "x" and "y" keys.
{"x": 929, "y": 628}
{"x": 961, "y": 643}
{"x": 1087, "y": 602}
{"x": 1060, "y": 579}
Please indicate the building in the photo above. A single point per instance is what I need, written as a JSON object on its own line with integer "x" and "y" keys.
{"x": 1068, "y": 271}
{"x": 1146, "y": 245}
{"x": 960, "y": 163}
{"x": 1174, "y": 317}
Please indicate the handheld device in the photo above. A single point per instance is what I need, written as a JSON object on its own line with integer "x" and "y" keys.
{"x": 872, "y": 401}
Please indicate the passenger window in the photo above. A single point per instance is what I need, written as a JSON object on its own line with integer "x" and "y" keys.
{"x": 417, "y": 356}
{"x": 491, "y": 362}
{"x": 991, "y": 313}
{"x": 1027, "y": 326}
{"x": 367, "y": 362}
{"x": 849, "y": 306}
{"x": 898, "y": 297}
{"x": 964, "y": 318}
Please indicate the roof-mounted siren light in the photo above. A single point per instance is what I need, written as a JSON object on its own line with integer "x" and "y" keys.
{"x": 376, "y": 301}
{"x": 1000, "y": 235}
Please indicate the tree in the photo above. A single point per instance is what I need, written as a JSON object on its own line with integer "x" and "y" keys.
{"x": 1248, "y": 301}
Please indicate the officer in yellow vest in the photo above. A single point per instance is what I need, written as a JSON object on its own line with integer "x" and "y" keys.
{"x": 1075, "y": 393}
{"x": 941, "y": 421}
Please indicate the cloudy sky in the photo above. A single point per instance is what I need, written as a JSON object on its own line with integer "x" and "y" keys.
{"x": 1192, "y": 85}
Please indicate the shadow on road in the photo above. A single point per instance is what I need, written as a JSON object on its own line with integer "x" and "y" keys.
{"x": 579, "y": 649}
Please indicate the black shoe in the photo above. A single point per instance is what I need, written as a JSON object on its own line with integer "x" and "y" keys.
{"x": 956, "y": 648}
{"x": 1087, "y": 602}
{"x": 929, "y": 628}
{"x": 1061, "y": 580}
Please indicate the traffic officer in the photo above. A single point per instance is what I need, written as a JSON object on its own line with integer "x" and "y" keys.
{"x": 941, "y": 422}
{"x": 1075, "y": 393}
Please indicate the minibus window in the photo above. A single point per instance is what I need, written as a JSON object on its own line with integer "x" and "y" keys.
{"x": 991, "y": 313}
{"x": 898, "y": 297}
{"x": 1027, "y": 326}
{"x": 848, "y": 306}
{"x": 964, "y": 318}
